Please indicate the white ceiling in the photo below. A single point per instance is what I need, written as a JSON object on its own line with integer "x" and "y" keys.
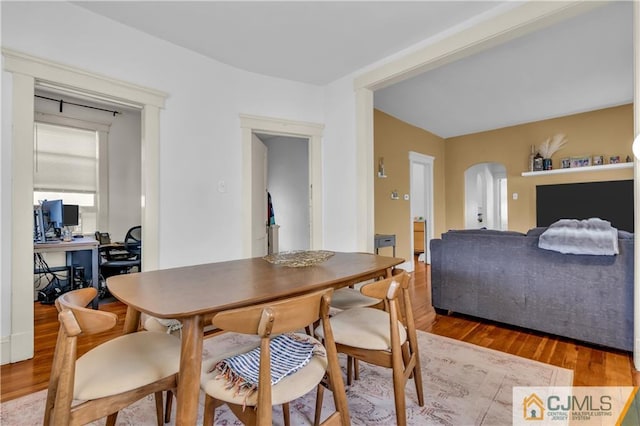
{"x": 582, "y": 64}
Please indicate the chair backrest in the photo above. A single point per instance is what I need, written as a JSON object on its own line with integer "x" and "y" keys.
{"x": 133, "y": 240}
{"x": 395, "y": 292}
{"x": 72, "y": 309}
{"x": 270, "y": 319}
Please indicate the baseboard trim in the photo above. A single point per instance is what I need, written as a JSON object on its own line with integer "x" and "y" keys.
{"x": 17, "y": 347}
{"x": 5, "y": 350}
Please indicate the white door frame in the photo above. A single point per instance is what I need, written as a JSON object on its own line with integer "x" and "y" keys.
{"x": 254, "y": 124}
{"x": 27, "y": 72}
{"x": 427, "y": 162}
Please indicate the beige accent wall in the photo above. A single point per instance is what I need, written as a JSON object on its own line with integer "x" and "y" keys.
{"x": 393, "y": 140}
{"x": 605, "y": 132}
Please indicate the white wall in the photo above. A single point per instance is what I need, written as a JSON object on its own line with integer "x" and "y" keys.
{"x": 339, "y": 158}
{"x": 288, "y": 184}
{"x": 200, "y": 137}
{"x": 124, "y": 174}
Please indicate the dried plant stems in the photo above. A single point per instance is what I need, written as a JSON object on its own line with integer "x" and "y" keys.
{"x": 552, "y": 145}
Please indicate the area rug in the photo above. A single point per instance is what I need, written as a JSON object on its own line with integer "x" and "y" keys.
{"x": 464, "y": 384}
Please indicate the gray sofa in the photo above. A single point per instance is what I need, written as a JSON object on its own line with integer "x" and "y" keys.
{"x": 503, "y": 276}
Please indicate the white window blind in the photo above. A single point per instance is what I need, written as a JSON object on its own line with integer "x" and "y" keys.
{"x": 66, "y": 159}
{"x": 66, "y": 167}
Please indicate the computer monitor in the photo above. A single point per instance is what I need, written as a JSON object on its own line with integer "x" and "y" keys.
{"x": 70, "y": 214}
{"x": 52, "y": 214}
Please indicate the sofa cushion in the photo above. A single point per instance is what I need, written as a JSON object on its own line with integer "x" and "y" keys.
{"x": 536, "y": 232}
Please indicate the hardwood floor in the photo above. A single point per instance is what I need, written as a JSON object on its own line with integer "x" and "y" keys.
{"x": 592, "y": 366}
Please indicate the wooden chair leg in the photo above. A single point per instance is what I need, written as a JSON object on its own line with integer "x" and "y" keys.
{"x": 159, "y": 409}
{"x": 349, "y": 370}
{"x": 167, "y": 407}
{"x": 417, "y": 377}
{"x": 111, "y": 419}
{"x": 286, "y": 414}
{"x": 319, "y": 398}
{"x": 356, "y": 369}
{"x": 209, "y": 411}
{"x": 399, "y": 397}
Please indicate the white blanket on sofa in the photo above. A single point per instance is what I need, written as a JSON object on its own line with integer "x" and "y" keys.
{"x": 572, "y": 236}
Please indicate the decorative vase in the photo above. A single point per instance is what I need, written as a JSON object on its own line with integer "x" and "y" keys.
{"x": 537, "y": 163}
{"x": 546, "y": 164}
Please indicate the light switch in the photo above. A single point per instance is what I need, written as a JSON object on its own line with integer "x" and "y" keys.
{"x": 222, "y": 186}
{"x": 406, "y": 197}
{"x": 515, "y": 195}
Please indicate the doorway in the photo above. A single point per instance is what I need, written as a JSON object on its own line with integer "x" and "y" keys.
{"x": 287, "y": 186}
{"x": 421, "y": 183}
{"x": 26, "y": 73}
{"x": 253, "y": 192}
{"x": 486, "y": 196}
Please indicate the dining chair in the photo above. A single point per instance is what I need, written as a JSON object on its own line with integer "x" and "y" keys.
{"x": 384, "y": 337}
{"x": 349, "y": 298}
{"x": 110, "y": 376}
{"x": 278, "y": 326}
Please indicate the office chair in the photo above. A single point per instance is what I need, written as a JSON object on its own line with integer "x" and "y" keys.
{"x": 118, "y": 259}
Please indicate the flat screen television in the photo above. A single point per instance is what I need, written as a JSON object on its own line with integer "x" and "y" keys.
{"x": 609, "y": 200}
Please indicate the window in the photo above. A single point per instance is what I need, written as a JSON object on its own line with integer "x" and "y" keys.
{"x": 66, "y": 167}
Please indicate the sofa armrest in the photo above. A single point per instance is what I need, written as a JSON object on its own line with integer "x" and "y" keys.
{"x": 436, "y": 271}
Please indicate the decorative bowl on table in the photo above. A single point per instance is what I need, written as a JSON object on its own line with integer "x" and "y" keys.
{"x": 299, "y": 258}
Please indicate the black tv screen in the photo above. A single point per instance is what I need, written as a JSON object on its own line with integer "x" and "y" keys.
{"x": 70, "y": 215}
{"x": 611, "y": 200}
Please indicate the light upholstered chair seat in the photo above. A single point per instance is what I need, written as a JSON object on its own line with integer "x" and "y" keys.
{"x": 133, "y": 359}
{"x": 363, "y": 328}
{"x": 289, "y": 388}
{"x": 349, "y": 298}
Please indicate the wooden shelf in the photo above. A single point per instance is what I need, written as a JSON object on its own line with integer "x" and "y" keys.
{"x": 600, "y": 168}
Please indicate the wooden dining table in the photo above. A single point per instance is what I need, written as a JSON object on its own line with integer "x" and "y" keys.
{"x": 194, "y": 294}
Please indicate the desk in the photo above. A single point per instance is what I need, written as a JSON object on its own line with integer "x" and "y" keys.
{"x": 193, "y": 294}
{"x": 69, "y": 247}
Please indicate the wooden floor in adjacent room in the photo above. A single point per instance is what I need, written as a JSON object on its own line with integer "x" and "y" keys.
{"x": 592, "y": 366}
